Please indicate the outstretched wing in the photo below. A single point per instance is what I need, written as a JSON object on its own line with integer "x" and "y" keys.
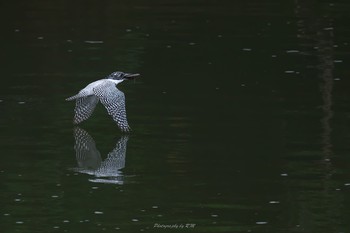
{"x": 117, "y": 155}
{"x": 87, "y": 155}
{"x": 84, "y": 107}
{"x": 114, "y": 102}
{"x": 115, "y": 160}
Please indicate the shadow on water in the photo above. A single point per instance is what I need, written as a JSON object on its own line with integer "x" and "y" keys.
{"x": 90, "y": 161}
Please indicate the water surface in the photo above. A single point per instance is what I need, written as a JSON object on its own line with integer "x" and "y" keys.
{"x": 240, "y": 119}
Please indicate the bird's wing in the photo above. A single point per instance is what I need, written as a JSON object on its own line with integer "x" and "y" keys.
{"x": 84, "y": 107}
{"x": 115, "y": 160}
{"x": 118, "y": 153}
{"x": 114, "y": 102}
{"x": 87, "y": 155}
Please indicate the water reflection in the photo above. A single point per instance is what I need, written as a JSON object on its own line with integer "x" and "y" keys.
{"x": 90, "y": 161}
{"x": 326, "y": 67}
{"x": 319, "y": 32}
{"x": 315, "y": 30}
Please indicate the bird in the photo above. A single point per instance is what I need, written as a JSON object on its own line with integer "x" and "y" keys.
{"x": 90, "y": 161}
{"x": 105, "y": 91}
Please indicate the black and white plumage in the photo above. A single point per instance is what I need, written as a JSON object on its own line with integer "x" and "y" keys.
{"x": 105, "y": 91}
{"x": 90, "y": 161}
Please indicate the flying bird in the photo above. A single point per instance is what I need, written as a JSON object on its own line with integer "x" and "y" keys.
{"x": 105, "y": 91}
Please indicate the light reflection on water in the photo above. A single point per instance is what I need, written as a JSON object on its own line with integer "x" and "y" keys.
{"x": 90, "y": 162}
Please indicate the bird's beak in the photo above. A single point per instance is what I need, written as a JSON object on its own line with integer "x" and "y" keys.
{"x": 131, "y": 76}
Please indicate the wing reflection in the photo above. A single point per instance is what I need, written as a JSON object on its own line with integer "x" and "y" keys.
{"x": 90, "y": 162}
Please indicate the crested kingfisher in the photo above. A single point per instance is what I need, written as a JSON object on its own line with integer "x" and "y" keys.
{"x": 111, "y": 97}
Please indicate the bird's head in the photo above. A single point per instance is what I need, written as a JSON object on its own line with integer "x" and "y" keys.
{"x": 120, "y": 76}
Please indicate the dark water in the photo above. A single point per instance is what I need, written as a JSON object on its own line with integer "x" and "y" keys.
{"x": 241, "y": 120}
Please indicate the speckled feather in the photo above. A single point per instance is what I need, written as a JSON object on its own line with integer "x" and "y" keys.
{"x": 115, "y": 159}
{"x": 114, "y": 102}
{"x": 103, "y": 90}
{"x": 84, "y": 107}
{"x": 86, "y": 152}
{"x": 89, "y": 158}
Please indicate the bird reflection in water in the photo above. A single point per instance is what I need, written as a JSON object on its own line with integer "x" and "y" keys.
{"x": 90, "y": 162}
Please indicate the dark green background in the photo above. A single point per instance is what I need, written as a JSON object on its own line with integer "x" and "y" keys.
{"x": 241, "y": 120}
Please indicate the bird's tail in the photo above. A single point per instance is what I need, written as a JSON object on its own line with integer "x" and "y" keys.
{"x": 73, "y": 97}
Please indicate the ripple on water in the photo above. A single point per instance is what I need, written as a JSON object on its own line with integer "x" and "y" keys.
{"x": 328, "y": 28}
{"x": 293, "y": 51}
{"x": 261, "y": 223}
{"x": 94, "y": 41}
